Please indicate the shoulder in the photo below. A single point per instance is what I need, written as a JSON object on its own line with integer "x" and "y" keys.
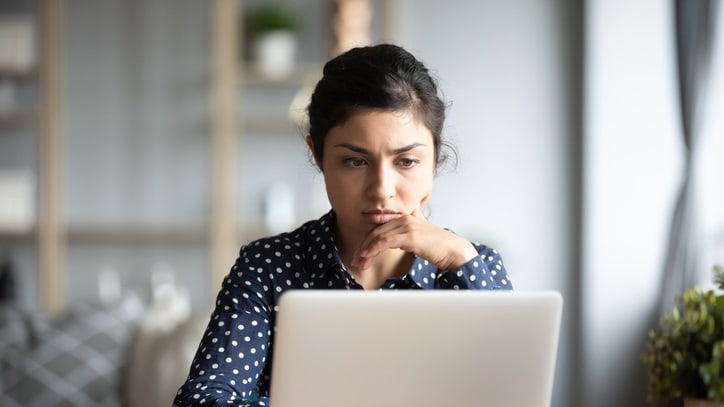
{"x": 286, "y": 246}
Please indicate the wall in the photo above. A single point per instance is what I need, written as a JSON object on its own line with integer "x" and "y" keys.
{"x": 634, "y": 163}
{"x": 511, "y": 72}
{"x": 632, "y": 170}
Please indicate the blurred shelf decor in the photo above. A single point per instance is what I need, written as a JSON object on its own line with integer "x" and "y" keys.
{"x": 273, "y": 34}
{"x": 39, "y": 60}
{"x": 18, "y": 67}
{"x": 29, "y": 98}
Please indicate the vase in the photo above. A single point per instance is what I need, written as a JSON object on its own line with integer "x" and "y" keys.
{"x": 274, "y": 53}
{"x": 702, "y": 403}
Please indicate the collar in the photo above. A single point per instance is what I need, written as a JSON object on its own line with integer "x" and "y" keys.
{"x": 321, "y": 257}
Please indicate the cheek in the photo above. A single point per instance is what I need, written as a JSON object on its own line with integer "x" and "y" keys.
{"x": 427, "y": 190}
{"x": 338, "y": 188}
{"x": 418, "y": 187}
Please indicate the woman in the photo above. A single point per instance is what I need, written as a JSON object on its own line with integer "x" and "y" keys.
{"x": 375, "y": 124}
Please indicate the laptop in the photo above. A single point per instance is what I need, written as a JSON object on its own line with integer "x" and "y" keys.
{"x": 338, "y": 348}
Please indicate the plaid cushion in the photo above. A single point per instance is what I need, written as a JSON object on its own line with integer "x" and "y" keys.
{"x": 74, "y": 361}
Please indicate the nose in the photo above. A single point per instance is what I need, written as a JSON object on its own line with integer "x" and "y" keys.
{"x": 381, "y": 182}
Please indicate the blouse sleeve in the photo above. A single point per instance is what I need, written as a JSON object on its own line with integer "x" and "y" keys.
{"x": 230, "y": 361}
{"x": 483, "y": 272}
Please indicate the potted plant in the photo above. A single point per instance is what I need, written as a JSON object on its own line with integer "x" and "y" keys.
{"x": 272, "y": 30}
{"x": 685, "y": 353}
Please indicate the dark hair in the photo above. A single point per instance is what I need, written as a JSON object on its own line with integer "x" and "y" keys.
{"x": 380, "y": 77}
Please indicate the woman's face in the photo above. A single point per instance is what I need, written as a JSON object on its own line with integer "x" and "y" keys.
{"x": 377, "y": 165}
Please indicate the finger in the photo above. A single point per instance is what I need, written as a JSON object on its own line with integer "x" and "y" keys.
{"x": 397, "y": 238}
{"x": 380, "y": 239}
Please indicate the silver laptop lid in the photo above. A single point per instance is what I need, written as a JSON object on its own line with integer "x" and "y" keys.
{"x": 415, "y": 348}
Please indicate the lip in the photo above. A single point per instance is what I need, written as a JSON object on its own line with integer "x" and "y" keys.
{"x": 380, "y": 215}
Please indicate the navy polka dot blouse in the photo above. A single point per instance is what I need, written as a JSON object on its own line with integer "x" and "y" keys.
{"x": 233, "y": 363}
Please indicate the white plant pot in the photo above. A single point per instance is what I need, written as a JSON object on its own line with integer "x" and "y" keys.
{"x": 274, "y": 53}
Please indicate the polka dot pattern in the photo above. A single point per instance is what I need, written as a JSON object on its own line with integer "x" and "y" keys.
{"x": 232, "y": 366}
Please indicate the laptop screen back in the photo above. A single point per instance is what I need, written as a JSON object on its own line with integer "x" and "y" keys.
{"x": 415, "y": 348}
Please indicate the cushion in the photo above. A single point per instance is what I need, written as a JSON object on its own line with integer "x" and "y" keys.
{"x": 164, "y": 349}
{"x": 77, "y": 360}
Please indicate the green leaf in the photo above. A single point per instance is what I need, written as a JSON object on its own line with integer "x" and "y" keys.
{"x": 684, "y": 355}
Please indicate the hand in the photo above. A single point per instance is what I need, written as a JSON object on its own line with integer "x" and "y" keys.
{"x": 414, "y": 234}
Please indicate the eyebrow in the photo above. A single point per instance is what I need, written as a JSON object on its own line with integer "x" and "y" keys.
{"x": 362, "y": 150}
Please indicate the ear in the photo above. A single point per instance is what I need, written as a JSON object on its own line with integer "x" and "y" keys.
{"x": 310, "y": 144}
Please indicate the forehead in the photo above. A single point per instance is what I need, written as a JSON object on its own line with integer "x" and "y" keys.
{"x": 380, "y": 126}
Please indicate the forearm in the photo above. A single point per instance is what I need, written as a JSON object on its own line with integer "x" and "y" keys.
{"x": 219, "y": 401}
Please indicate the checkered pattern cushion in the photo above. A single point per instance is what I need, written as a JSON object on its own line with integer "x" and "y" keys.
{"x": 75, "y": 361}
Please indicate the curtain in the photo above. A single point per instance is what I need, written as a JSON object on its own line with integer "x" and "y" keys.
{"x": 695, "y": 32}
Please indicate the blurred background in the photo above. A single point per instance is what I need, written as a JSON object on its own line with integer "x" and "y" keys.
{"x": 144, "y": 141}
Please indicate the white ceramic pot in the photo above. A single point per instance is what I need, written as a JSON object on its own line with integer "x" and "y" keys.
{"x": 274, "y": 53}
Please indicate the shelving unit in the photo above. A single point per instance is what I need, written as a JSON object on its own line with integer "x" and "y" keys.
{"x": 51, "y": 242}
{"x": 225, "y": 68}
{"x": 43, "y": 119}
{"x": 220, "y": 231}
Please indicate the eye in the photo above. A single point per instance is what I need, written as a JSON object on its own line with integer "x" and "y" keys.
{"x": 354, "y": 162}
{"x": 408, "y": 162}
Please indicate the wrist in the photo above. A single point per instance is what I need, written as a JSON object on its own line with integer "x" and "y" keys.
{"x": 463, "y": 252}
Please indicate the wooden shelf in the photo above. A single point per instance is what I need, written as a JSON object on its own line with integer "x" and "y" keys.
{"x": 268, "y": 122}
{"x": 138, "y": 233}
{"x": 303, "y": 72}
{"x": 129, "y": 233}
{"x": 18, "y": 73}
{"x": 18, "y": 119}
{"x": 144, "y": 233}
{"x": 18, "y": 234}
